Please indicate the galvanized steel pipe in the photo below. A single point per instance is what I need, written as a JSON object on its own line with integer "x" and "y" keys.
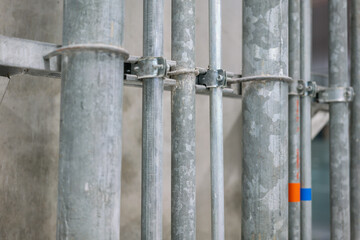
{"x": 216, "y": 126}
{"x": 339, "y": 122}
{"x": 265, "y": 121}
{"x": 355, "y": 121}
{"x": 306, "y": 190}
{"x": 294, "y": 120}
{"x": 90, "y": 126}
{"x": 152, "y": 124}
{"x": 183, "y": 164}
{"x": 305, "y": 110}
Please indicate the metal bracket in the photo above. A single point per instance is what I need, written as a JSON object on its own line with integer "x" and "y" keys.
{"x": 85, "y": 47}
{"x": 296, "y": 88}
{"x": 308, "y": 88}
{"x": 213, "y": 78}
{"x": 150, "y": 67}
{"x": 335, "y": 94}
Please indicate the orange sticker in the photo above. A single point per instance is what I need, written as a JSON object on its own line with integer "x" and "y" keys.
{"x": 297, "y": 111}
{"x": 294, "y": 192}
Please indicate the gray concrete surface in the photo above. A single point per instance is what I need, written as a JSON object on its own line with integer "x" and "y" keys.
{"x": 29, "y": 128}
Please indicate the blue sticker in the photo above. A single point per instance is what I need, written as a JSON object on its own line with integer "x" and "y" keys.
{"x": 305, "y": 194}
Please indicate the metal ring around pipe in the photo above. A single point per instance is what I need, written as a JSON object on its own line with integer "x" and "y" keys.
{"x": 88, "y": 47}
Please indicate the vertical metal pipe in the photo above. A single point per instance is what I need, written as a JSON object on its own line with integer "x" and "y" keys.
{"x": 265, "y": 121}
{"x": 152, "y": 124}
{"x": 217, "y": 164}
{"x": 306, "y": 201}
{"x": 183, "y": 171}
{"x": 215, "y": 34}
{"x": 90, "y": 126}
{"x": 216, "y": 125}
{"x": 294, "y": 120}
{"x": 305, "y": 106}
{"x": 355, "y": 121}
{"x": 339, "y": 123}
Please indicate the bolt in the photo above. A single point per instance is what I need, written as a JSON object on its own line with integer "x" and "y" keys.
{"x": 136, "y": 68}
{"x": 347, "y": 94}
{"x": 159, "y": 66}
{"x": 219, "y": 78}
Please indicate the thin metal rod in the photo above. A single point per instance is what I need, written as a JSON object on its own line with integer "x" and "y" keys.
{"x": 217, "y": 164}
{"x": 183, "y": 167}
{"x": 355, "y": 121}
{"x": 152, "y": 124}
{"x": 265, "y": 121}
{"x": 215, "y": 34}
{"x": 216, "y": 126}
{"x": 305, "y": 106}
{"x": 294, "y": 121}
{"x": 90, "y": 126}
{"x": 306, "y": 201}
{"x": 339, "y": 123}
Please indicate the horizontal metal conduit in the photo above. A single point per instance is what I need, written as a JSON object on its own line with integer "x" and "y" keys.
{"x": 21, "y": 56}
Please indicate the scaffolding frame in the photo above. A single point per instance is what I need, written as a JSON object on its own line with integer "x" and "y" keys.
{"x": 276, "y": 114}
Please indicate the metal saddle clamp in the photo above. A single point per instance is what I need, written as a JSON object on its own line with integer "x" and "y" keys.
{"x": 213, "y": 78}
{"x": 99, "y": 47}
{"x": 335, "y": 94}
{"x": 150, "y": 67}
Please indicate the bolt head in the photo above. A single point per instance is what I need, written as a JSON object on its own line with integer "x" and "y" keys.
{"x": 158, "y": 66}
{"x": 347, "y": 94}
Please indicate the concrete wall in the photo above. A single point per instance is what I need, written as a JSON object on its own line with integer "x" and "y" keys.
{"x": 29, "y": 128}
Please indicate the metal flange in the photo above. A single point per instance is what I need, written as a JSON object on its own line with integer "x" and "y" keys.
{"x": 150, "y": 67}
{"x": 335, "y": 94}
{"x": 213, "y": 78}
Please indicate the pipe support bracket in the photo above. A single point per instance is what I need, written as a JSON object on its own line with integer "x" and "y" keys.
{"x": 335, "y": 94}
{"x": 213, "y": 78}
{"x": 65, "y": 50}
{"x": 307, "y": 88}
{"x": 150, "y": 67}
